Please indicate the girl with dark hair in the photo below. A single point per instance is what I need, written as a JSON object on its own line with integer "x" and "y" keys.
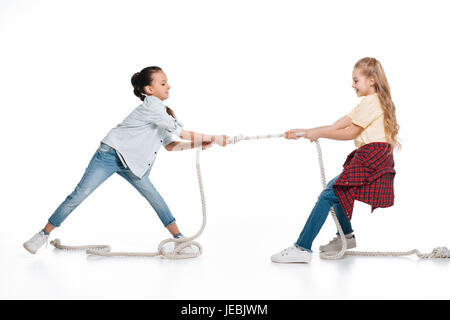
{"x": 130, "y": 150}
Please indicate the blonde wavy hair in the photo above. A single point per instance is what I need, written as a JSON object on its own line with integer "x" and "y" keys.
{"x": 371, "y": 67}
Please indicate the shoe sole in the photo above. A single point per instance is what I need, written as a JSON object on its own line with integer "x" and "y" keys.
{"x": 29, "y": 250}
{"x": 291, "y": 262}
{"x": 304, "y": 261}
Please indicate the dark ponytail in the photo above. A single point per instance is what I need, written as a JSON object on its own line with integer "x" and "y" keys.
{"x": 141, "y": 79}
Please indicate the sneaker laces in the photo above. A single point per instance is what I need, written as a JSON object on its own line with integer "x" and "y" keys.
{"x": 286, "y": 251}
{"x": 338, "y": 239}
{"x": 335, "y": 239}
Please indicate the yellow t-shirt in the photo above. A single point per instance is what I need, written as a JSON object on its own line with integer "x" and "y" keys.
{"x": 369, "y": 115}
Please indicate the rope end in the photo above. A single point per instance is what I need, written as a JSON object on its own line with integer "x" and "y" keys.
{"x": 55, "y": 242}
{"x": 438, "y": 252}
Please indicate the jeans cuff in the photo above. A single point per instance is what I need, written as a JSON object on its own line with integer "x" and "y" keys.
{"x": 346, "y": 234}
{"x": 53, "y": 224}
{"x": 169, "y": 223}
{"x": 300, "y": 247}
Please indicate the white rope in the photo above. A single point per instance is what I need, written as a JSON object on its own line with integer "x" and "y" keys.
{"x": 333, "y": 255}
{"x": 180, "y": 244}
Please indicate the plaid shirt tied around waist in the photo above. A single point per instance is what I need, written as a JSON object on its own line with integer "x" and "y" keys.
{"x": 368, "y": 176}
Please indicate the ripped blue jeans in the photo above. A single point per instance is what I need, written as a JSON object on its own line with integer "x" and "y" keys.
{"x": 104, "y": 163}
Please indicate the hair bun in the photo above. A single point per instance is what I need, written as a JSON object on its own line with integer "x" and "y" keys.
{"x": 135, "y": 79}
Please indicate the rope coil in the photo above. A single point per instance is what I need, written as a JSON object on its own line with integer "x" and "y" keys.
{"x": 180, "y": 244}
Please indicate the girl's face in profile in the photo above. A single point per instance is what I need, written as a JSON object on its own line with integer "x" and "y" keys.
{"x": 159, "y": 87}
{"x": 363, "y": 85}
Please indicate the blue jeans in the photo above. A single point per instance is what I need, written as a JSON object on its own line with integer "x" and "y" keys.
{"x": 319, "y": 214}
{"x": 104, "y": 164}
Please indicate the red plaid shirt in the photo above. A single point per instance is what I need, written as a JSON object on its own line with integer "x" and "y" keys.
{"x": 368, "y": 176}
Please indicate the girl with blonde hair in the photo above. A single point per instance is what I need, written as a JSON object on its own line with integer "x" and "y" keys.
{"x": 368, "y": 173}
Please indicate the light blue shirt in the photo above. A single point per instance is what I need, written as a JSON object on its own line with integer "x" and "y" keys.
{"x": 139, "y": 136}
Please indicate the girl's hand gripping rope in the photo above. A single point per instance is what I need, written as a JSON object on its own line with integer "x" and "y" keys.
{"x": 295, "y": 133}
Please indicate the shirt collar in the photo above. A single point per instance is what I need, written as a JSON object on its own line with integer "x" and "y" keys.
{"x": 152, "y": 98}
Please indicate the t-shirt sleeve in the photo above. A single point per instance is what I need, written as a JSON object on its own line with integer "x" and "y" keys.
{"x": 366, "y": 111}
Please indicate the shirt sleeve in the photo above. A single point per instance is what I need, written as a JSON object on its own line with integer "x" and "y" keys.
{"x": 156, "y": 113}
{"x": 168, "y": 138}
{"x": 366, "y": 111}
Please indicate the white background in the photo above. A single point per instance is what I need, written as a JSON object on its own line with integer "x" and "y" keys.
{"x": 235, "y": 67}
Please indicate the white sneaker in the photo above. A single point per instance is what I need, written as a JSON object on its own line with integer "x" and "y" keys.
{"x": 187, "y": 250}
{"x": 36, "y": 242}
{"x": 292, "y": 255}
{"x": 336, "y": 244}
